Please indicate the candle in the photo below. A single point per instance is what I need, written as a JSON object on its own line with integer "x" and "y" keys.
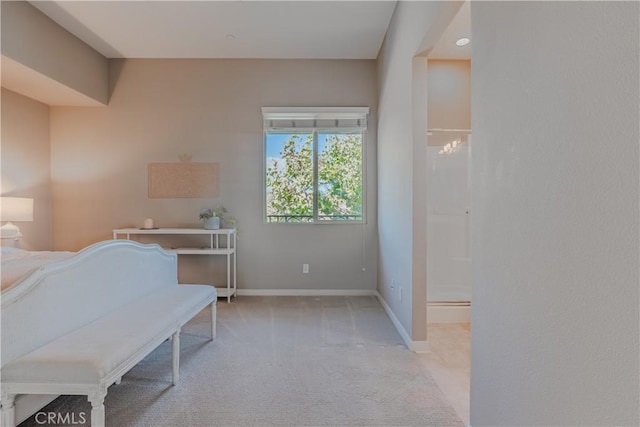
{"x": 148, "y": 223}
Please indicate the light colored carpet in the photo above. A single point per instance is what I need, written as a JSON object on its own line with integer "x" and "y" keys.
{"x": 280, "y": 361}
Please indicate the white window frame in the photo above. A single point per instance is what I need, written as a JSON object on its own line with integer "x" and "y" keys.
{"x": 345, "y": 120}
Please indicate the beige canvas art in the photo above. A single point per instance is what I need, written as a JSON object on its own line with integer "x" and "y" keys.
{"x": 183, "y": 180}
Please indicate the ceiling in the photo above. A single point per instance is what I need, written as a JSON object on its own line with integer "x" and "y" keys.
{"x": 345, "y": 29}
{"x": 459, "y": 27}
{"x": 226, "y": 29}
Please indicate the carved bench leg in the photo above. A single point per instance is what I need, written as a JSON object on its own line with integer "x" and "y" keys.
{"x": 97, "y": 408}
{"x": 8, "y": 410}
{"x": 176, "y": 356}
{"x": 213, "y": 321}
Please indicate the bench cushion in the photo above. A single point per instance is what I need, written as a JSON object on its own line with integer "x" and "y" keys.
{"x": 88, "y": 354}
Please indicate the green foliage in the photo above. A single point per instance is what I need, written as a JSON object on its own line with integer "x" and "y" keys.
{"x": 340, "y": 176}
{"x": 290, "y": 181}
{"x": 221, "y": 212}
{"x": 290, "y": 185}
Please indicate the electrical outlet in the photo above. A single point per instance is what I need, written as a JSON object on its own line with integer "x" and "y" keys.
{"x": 305, "y": 268}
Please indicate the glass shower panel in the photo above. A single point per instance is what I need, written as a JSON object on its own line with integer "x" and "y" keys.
{"x": 448, "y": 217}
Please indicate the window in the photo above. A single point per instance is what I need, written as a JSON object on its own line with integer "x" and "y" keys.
{"x": 314, "y": 161}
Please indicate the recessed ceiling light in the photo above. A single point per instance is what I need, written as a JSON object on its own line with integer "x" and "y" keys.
{"x": 462, "y": 42}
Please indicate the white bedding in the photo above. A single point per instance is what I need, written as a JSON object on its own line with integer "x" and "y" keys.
{"x": 18, "y": 262}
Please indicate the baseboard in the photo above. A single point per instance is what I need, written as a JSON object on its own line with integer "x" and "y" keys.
{"x": 307, "y": 292}
{"x": 415, "y": 346}
{"x": 420, "y": 347}
{"x": 448, "y": 313}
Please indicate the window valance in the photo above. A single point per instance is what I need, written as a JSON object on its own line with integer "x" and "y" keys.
{"x": 330, "y": 118}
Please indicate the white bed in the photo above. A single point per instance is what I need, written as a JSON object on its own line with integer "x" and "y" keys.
{"x": 49, "y": 296}
{"x": 16, "y": 263}
{"x": 96, "y": 300}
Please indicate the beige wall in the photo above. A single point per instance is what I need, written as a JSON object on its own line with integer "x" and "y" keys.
{"x": 449, "y": 94}
{"x": 33, "y": 40}
{"x": 210, "y": 109}
{"x": 555, "y": 313}
{"x": 25, "y": 165}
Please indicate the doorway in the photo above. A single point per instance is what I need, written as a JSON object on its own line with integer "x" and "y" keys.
{"x": 448, "y": 212}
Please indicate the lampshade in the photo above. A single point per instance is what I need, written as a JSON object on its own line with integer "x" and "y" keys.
{"x": 16, "y": 209}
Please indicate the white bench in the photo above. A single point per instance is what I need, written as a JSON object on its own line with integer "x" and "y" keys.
{"x": 77, "y": 326}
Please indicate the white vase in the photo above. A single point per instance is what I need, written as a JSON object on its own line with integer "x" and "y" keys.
{"x": 212, "y": 223}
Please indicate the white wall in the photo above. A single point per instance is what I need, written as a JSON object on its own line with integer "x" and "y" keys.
{"x": 449, "y": 94}
{"x": 555, "y": 226}
{"x": 210, "y": 109}
{"x": 25, "y": 165}
{"x": 402, "y": 115}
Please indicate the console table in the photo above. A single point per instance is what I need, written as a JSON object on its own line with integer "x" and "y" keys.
{"x": 221, "y": 242}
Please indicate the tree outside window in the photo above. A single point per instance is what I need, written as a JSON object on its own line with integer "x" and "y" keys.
{"x": 314, "y": 176}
